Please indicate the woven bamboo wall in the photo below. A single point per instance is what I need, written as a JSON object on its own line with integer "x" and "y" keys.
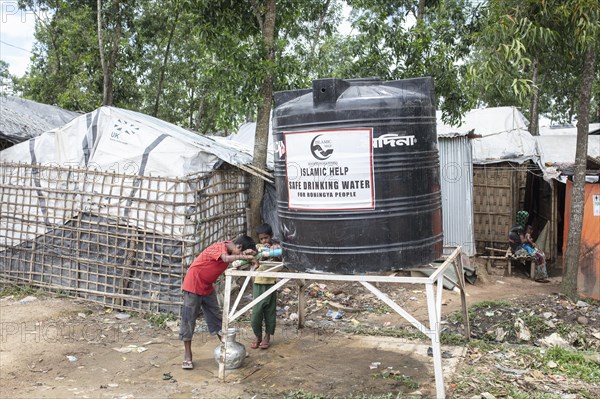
{"x": 498, "y": 194}
{"x": 120, "y": 240}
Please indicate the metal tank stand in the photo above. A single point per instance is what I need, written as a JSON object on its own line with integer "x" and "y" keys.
{"x": 434, "y": 302}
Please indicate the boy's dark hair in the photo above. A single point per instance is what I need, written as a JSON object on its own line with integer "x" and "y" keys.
{"x": 246, "y": 242}
{"x": 264, "y": 228}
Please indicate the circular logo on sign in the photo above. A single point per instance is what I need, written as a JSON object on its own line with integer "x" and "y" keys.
{"x": 321, "y": 148}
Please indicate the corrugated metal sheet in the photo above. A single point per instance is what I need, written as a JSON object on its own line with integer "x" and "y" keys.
{"x": 456, "y": 164}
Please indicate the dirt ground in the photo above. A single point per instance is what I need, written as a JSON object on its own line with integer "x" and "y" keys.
{"x": 53, "y": 347}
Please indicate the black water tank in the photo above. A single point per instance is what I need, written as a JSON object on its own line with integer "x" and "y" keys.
{"x": 357, "y": 175}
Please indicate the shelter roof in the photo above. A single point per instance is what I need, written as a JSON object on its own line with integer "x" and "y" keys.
{"x": 22, "y": 119}
{"x": 557, "y": 154}
{"x": 110, "y": 138}
{"x": 568, "y": 130}
{"x": 243, "y": 140}
{"x": 499, "y": 134}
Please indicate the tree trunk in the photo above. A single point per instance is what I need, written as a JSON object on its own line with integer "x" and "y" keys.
{"x": 103, "y": 63}
{"x": 319, "y": 28}
{"x": 114, "y": 53}
{"x": 264, "y": 115}
{"x": 164, "y": 66}
{"x": 534, "y": 117}
{"x": 191, "y": 118}
{"x": 200, "y": 111}
{"x": 571, "y": 261}
{"x": 421, "y": 10}
{"x": 108, "y": 66}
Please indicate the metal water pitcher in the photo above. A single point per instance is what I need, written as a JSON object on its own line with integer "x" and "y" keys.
{"x": 235, "y": 354}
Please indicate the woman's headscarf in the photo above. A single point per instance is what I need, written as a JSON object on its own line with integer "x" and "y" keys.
{"x": 522, "y": 217}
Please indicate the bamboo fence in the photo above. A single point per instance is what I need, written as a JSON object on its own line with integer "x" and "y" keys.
{"x": 120, "y": 240}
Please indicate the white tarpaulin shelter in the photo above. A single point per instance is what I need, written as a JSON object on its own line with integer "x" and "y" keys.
{"x": 503, "y": 131}
{"x": 113, "y": 206}
{"x": 243, "y": 140}
{"x": 557, "y": 130}
{"x": 126, "y": 143}
{"x": 114, "y": 139}
{"x": 557, "y": 153}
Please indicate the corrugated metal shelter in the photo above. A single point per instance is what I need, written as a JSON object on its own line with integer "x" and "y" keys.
{"x": 456, "y": 176}
{"x": 113, "y": 206}
{"x": 502, "y": 151}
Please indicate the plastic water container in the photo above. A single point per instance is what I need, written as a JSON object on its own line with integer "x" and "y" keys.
{"x": 271, "y": 252}
{"x": 357, "y": 175}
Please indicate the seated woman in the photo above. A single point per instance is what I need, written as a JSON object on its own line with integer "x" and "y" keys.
{"x": 522, "y": 244}
{"x": 532, "y": 249}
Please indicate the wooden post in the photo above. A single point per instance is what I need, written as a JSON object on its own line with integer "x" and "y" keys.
{"x": 458, "y": 268}
{"x": 225, "y": 325}
{"x": 301, "y": 303}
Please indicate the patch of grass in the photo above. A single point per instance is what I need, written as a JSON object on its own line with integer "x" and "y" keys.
{"x": 482, "y": 345}
{"x": 21, "y": 291}
{"x": 566, "y": 330}
{"x": 62, "y": 294}
{"x": 159, "y": 319}
{"x": 586, "y": 394}
{"x": 536, "y": 325}
{"x": 455, "y": 317}
{"x": 408, "y": 333}
{"x": 593, "y": 302}
{"x": 301, "y": 394}
{"x": 516, "y": 393}
{"x": 574, "y": 364}
{"x": 490, "y": 305}
{"x": 382, "y": 309}
{"x": 452, "y": 338}
{"x": 404, "y": 380}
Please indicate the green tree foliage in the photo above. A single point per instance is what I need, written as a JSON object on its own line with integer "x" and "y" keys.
{"x": 63, "y": 71}
{"x": 200, "y": 63}
{"x": 394, "y": 41}
{"x": 65, "y": 64}
{"x": 7, "y": 80}
{"x": 514, "y": 35}
{"x": 563, "y": 39}
{"x": 197, "y": 63}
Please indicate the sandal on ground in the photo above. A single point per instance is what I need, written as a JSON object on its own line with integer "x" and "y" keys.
{"x": 255, "y": 344}
{"x": 187, "y": 364}
{"x": 544, "y": 280}
{"x": 264, "y": 345}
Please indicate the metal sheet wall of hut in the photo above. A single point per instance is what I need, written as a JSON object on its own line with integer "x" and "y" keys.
{"x": 120, "y": 240}
{"x": 498, "y": 192}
